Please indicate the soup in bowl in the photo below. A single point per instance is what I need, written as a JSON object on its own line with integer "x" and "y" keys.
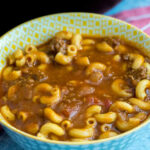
{"x": 87, "y": 88}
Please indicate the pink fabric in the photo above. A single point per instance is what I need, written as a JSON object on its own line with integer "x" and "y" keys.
{"x": 140, "y": 17}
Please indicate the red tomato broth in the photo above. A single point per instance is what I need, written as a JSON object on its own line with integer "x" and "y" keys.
{"x": 75, "y": 99}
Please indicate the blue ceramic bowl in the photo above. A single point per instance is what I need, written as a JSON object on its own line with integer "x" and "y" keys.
{"x": 38, "y": 31}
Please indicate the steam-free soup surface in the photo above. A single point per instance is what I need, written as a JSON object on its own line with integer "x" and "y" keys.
{"x": 101, "y": 72}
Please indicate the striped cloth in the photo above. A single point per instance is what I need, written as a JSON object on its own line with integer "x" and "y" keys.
{"x": 139, "y": 17}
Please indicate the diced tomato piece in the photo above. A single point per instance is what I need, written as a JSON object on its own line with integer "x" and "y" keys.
{"x": 90, "y": 100}
{"x": 107, "y": 103}
{"x": 66, "y": 112}
{"x": 70, "y": 111}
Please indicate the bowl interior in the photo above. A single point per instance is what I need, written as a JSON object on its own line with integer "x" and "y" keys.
{"x": 41, "y": 29}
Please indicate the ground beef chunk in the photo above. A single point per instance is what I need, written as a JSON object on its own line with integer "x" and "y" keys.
{"x": 58, "y": 45}
{"x": 135, "y": 75}
{"x": 69, "y": 107}
{"x": 31, "y": 75}
{"x": 125, "y": 57}
{"x": 116, "y": 42}
{"x": 147, "y": 59}
{"x": 51, "y": 58}
{"x": 92, "y": 100}
{"x": 112, "y": 41}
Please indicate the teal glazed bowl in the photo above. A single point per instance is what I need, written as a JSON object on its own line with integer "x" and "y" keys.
{"x": 40, "y": 30}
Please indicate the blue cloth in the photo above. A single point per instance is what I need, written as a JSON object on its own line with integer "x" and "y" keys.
{"x": 7, "y": 144}
{"x": 127, "y": 5}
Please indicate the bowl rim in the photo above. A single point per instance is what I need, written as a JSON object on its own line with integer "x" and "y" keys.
{"x": 10, "y": 127}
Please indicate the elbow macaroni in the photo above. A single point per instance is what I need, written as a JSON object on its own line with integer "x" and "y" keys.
{"x": 11, "y": 59}
{"x": 41, "y": 56}
{"x": 23, "y": 115}
{"x": 54, "y": 137}
{"x": 87, "y": 42}
{"x": 18, "y": 54}
{"x": 21, "y": 62}
{"x": 76, "y": 40}
{"x": 52, "y": 115}
{"x": 104, "y": 47}
{"x": 121, "y": 48}
{"x": 117, "y": 58}
{"x": 51, "y": 99}
{"x": 123, "y": 125}
{"x": 107, "y": 134}
{"x": 42, "y": 67}
{"x": 91, "y": 122}
{"x": 48, "y": 128}
{"x": 94, "y": 67}
{"x": 63, "y": 59}
{"x": 138, "y": 60}
{"x": 140, "y": 103}
{"x": 66, "y": 124}
{"x": 32, "y": 128}
{"x": 83, "y": 61}
{"x": 30, "y": 59}
{"x": 92, "y": 110}
{"x": 6, "y": 112}
{"x": 147, "y": 66}
{"x": 81, "y": 133}
{"x": 79, "y": 140}
{"x": 106, "y": 118}
{"x": 11, "y": 91}
{"x": 71, "y": 50}
{"x": 10, "y": 74}
{"x": 64, "y": 35}
{"x": 30, "y": 48}
{"x": 141, "y": 87}
{"x": 117, "y": 88}
{"x": 54, "y": 91}
{"x": 124, "y": 106}
{"x": 105, "y": 127}
{"x": 87, "y": 47}
{"x": 141, "y": 116}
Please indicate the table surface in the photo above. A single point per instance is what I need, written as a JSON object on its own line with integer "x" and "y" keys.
{"x": 7, "y": 144}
